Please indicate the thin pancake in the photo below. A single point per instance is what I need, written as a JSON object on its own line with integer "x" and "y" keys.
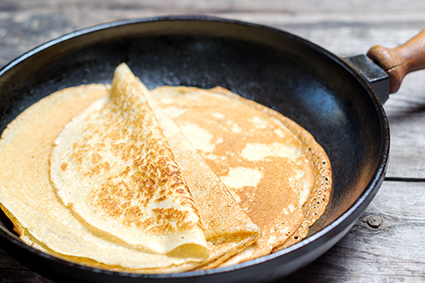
{"x": 30, "y": 201}
{"x": 265, "y": 165}
{"x": 202, "y": 145}
{"x": 60, "y": 233}
{"x": 115, "y": 170}
{"x": 213, "y": 200}
{"x": 226, "y": 236}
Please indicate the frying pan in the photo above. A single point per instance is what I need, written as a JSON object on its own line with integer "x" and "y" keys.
{"x": 337, "y": 103}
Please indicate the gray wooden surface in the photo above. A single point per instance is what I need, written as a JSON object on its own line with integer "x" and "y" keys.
{"x": 387, "y": 243}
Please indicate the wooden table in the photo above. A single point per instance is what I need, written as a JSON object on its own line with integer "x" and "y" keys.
{"x": 387, "y": 242}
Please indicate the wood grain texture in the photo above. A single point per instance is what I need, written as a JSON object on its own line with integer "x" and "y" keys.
{"x": 386, "y": 243}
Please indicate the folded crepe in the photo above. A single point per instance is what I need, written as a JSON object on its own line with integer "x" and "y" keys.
{"x": 159, "y": 181}
{"x": 29, "y": 199}
{"x": 113, "y": 167}
{"x": 126, "y": 192}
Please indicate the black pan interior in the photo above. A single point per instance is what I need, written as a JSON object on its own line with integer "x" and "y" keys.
{"x": 275, "y": 68}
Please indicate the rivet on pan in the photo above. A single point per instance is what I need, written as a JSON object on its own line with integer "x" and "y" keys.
{"x": 374, "y": 221}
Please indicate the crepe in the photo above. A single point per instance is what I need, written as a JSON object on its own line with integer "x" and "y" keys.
{"x": 55, "y": 226}
{"x": 263, "y": 158}
{"x": 113, "y": 167}
{"x": 226, "y": 235}
{"x": 236, "y": 180}
{"x": 208, "y": 195}
{"x": 30, "y": 201}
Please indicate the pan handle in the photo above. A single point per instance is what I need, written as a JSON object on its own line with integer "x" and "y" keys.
{"x": 401, "y": 60}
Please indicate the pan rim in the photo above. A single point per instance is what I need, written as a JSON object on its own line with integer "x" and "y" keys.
{"x": 347, "y": 217}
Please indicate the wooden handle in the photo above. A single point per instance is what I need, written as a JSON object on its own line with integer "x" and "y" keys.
{"x": 401, "y": 60}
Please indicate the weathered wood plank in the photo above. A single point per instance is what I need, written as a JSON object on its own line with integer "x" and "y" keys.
{"x": 391, "y": 252}
{"x": 342, "y": 27}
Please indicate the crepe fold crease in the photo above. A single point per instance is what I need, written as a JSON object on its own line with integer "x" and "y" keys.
{"x": 157, "y": 181}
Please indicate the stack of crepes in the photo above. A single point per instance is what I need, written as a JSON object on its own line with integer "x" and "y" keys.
{"x": 160, "y": 181}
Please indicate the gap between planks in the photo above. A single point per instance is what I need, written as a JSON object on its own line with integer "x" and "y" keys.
{"x": 405, "y": 179}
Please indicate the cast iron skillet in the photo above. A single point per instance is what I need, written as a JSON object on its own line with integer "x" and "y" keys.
{"x": 317, "y": 89}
